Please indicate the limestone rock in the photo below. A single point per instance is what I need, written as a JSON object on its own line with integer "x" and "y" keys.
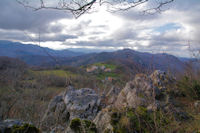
{"x": 102, "y": 121}
{"x": 112, "y": 95}
{"x": 74, "y": 103}
{"x": 146, "y": 91}
{"x": 136, "y": 93}
{"x": 83, "y": 103}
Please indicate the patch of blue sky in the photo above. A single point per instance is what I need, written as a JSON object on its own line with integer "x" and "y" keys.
{"x": 167, "y": 27}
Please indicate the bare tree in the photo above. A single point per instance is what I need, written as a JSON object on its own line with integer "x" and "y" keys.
{"x": 79, "y": 7}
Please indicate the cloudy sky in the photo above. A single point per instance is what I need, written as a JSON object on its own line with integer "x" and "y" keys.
{"x": 175, "y": 31}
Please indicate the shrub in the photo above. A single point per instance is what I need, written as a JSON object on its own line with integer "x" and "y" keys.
{"x": 139, "y": 120}
{"x": 115, "y": 118}
{"x": 51, "y": 80}
{"x": 26, "y": 128}
{"x": 190, "y": 87}
{"x": 75, "y": 124}
{"x": 90, "y": 126}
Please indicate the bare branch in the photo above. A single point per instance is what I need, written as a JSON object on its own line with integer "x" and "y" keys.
{"x": 79, "y": 7}
{"x": 158, "y": 8}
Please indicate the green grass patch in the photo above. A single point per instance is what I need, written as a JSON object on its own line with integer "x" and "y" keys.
{"x": 59, "y": 73}
{"x": 107, "y": 74}
{"x": 111, "y": 66}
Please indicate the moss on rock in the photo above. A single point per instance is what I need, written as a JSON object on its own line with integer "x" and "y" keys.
{"x": 25, "y": 128}
{"x": 79, "y": 126}
{"x": 75, "y": 124}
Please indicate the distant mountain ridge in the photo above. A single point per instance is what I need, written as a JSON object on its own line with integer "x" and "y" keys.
{"x": 37, "y": 56}
{"x": 34, "y": 55}
{"x": 131, "y": 59}
{"x": 16, "y": 49}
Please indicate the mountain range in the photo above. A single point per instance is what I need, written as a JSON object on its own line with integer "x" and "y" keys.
{"x": 131, "y": 59}
{"x": 33, "y": 54}
{"x": 16, "y": 49}
{"x": 39, "y": 56}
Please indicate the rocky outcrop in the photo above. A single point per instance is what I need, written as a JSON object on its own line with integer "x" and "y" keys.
{"x": 17, "y": 126}
{"x": 72, "y": 109}
{"x": 150, "y": 93}
{"x": 146, "y": 91}
{"x": 74, "y": 103}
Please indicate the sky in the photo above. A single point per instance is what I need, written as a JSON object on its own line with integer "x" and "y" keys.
{"x": 175, "y": 31}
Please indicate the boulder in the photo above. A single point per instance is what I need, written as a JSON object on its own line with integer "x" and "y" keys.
{"x": 83, "y": 103}
{"x": 74, "y": 103}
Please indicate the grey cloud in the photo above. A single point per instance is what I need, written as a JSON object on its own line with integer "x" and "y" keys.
{"x": 13, "y": 35}
{"x": 125, "y": 33}
{"x": 23, "y": 36}
{"x": 185, "y": 5}
{"x": 166, "y": 39}
{"x": 102, "y": 43}
{"x": 17, "y": 20}
{"x": 15, "y": 16}
{"x": 81, "y": 25}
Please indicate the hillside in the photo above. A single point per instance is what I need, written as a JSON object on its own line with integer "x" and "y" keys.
{"x": 33, "y": 54}
{"x": 132, "y": 59}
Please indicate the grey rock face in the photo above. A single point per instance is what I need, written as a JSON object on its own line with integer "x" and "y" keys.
{"x": 83, "y": 103}
{"x": 112, "y": 95}
{"x": 136, "y": 93}
{"x": 147, "y": 91}
{"x": 102, "y": 121}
